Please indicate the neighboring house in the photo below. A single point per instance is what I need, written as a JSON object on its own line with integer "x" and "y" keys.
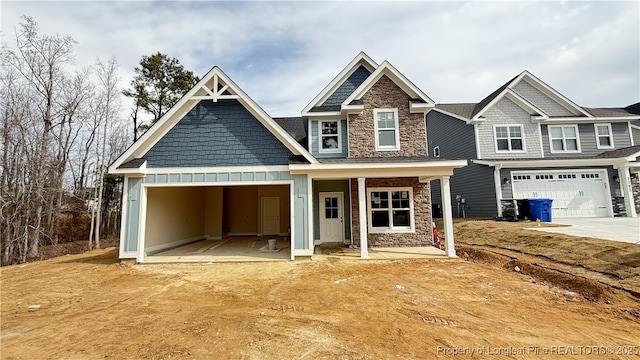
{"x": 352, "y": 169}
{"x": 526, "y": 140}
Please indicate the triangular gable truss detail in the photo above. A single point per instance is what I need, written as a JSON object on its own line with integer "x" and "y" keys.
{"x": 215, "y": 85}
{"x": 397, "y": 77}
{"x": 362, "y": 59}
{"x": 216, "y": 92}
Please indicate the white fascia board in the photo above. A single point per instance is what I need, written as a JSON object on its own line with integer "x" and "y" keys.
{"x": 564, "y": 120}
{"x": 468, "y": 121}
{"x": 351, "y": 109}
{"x": 417, "y": 108}
{"x": 376, "y": 171}
{"x": 548, "y": 90}
{"x": 637, "y": 127}
{"x": 300, "y": 168}
{"x": 550, "y": 162}
{"x": 396, "y": 76}
{"x": 139, "y": 171}
{"x": 335, "y": 116}
{"x": 360, "y": 59}
{"x": 321, "y": 114}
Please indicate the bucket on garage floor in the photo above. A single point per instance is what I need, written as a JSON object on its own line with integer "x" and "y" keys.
{"x": 272, "y": 244}
{"x": 540, "y": 209}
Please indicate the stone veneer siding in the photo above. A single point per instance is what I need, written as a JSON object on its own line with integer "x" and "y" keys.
{"x": 386, "y": 94}
{"x": 421, "y": 214}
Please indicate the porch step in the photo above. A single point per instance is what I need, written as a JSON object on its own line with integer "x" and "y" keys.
{"x": 327, "y": 248}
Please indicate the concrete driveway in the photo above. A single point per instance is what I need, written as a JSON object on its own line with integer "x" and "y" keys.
{"x": 618, "y": 229}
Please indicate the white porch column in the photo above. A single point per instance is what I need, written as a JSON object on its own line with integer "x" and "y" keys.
{"x": 497, "y": 183}
{"x": 627, "y": 192}
{"x": 447, "y": 217}
{"x": 362, "y": 210}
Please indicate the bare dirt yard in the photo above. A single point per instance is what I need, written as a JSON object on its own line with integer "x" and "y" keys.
{"x": 91, "y": 306}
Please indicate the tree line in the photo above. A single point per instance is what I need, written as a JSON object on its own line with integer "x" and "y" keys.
{"x": 61, "y": 126}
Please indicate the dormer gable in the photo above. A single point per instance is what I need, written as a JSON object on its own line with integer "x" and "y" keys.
{"x": 419, "y": 103}
{"x": 534, "y": 96}
{"x": 334, "y": 94}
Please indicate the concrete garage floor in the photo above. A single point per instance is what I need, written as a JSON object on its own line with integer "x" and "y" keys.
{"x": 248, "y": 249}
{"x": 235, "y": 249}
{"x": 621, "y": 229}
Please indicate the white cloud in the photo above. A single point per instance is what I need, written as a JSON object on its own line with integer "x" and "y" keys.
{"x": 283, "y": 53}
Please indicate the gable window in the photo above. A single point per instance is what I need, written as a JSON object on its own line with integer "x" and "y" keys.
{"x": 386, "y": 127}
{"x": 564, "y": 138}
{"x": 330, "y": 137}
{"x": 604, "y": 139}
{"x": 390, "y": 210}
{"x": 509, "y": 138}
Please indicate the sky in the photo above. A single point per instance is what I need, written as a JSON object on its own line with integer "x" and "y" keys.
{"x": 282, "y": 54}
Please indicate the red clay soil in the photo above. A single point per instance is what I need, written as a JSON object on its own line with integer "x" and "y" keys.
{"x": 92, "y": 306}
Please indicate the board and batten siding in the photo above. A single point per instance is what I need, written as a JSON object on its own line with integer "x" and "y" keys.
{"x": 301, "y": 216}
{"x": 456, "y": 140}
{"x": 315, "y": 141}
{"x": 588, "y": 145}
{"x": 540, "y": 100}
{"x": 222, "y": 133}
{"x": 134, "y": 187}
{"x": 341, "y": 186}
{"x": 218, "y": 178}
{"x": 506, "y": 112}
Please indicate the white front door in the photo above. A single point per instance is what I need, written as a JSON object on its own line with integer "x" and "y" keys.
{"x": 270, "y": 216}
{"x": 331, "y": 222}
{"x": 575, "y": 193}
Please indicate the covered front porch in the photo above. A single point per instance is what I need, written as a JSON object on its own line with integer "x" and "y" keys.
{"x": 373, "y": 207}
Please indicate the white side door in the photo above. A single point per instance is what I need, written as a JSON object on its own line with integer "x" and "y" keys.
{"x": 331, "y": 217}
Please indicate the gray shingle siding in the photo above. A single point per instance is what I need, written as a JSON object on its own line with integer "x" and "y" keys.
{"x": 221, "y": 133}
{"x": 348, "y": 86}
{"x": 474, "y": 183}
{"x": 587, "y": 135}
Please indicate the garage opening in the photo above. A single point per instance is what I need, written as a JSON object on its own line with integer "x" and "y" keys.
{"x": 217, "y": 223}
{"x": 575, "y": 193}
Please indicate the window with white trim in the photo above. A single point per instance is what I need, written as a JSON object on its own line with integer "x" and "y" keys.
{"x": 390, "y": 210}
{"x": 508, "y": 138}
{"x": 604, "y": 137}
{"x": 329, "y": 132}
{"x": 564, "y": 138}
{"x": 386, "y": 127}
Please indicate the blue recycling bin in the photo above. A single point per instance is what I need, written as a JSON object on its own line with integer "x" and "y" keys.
{"x": 541, "y": 209}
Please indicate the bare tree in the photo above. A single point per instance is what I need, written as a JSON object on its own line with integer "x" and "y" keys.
{"x": 107, "y": 74}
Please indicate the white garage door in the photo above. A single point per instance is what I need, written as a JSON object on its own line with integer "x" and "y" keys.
{"x": 581, "y": 193}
